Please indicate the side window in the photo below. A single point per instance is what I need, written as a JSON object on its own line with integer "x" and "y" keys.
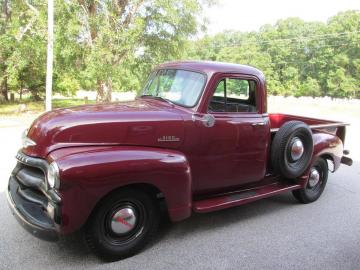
{"x": 217, "y": 103}
{"x": 234, "y": 95}
{"x": 238, "y": 89}
{"x": 220, "y": 89}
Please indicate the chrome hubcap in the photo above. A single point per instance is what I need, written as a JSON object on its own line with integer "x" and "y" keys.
{"x": 314, "y": 177}
{"x": 296, "y": 149}
{"x": 123, "y": 221}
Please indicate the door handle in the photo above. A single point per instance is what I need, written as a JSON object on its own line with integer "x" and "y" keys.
{"x": 258, "y": 124}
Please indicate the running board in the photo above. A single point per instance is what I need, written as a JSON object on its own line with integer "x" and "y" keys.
{"x": 241, "y": 197}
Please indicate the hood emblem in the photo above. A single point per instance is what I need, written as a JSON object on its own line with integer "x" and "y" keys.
{"x": 168, "y": 139}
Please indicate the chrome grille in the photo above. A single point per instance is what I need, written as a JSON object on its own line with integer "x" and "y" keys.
{"x": 30, "y": 173}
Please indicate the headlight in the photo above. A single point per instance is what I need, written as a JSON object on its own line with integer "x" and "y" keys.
{"x": 53, "y": 175}
{"x": 25, "y": 140}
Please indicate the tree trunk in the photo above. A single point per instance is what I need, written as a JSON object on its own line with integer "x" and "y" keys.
{"x": 5, "y": 9}
{"x": 35, "y": 96}
{"x": 4, "y": 89}
{"x": 104, "y": 90}
{"x": 21, "y": 90}
{"x": 4, "y": 85}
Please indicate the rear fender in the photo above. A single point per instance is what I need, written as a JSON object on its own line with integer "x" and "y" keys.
{"x": 89, "y": 174}
{"x": 327, "y": 146}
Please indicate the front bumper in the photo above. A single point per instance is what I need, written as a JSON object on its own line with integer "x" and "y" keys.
{"x": 34, "y": 206}
{"x": 26, "y": 216}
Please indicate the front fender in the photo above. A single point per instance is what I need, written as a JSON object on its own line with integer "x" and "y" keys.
{"x": 90, "y": 173}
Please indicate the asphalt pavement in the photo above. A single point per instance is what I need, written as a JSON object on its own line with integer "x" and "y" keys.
{"x": 275, "y": 233}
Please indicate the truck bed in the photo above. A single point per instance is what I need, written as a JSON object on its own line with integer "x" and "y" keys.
{"x": 333, "y": 127}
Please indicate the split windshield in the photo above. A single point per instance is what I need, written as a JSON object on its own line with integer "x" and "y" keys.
{"x": 177, "y": 86}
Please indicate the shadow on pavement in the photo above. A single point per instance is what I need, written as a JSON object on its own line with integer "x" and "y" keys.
{"x": 73, "y": 247}
{"x": 233, "y": 216}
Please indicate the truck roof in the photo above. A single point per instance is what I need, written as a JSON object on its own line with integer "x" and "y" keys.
{"x": 210, "y": 67}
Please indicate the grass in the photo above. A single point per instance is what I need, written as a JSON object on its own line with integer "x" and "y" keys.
{"x": 35, "y": 107}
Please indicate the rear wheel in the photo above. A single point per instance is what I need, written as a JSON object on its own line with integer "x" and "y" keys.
{"x": 316, "y": 184}
{"x": 122, "y": 224}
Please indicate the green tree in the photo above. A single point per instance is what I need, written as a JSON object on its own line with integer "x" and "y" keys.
{"x": 24, "y": 47}
{"x": 309, "y": 87}
{"x": 297, "y": 57}
{"x": 99, "y": 45}
{"x": 109, "y": 45}
{"x": 117, "y": 34}
{"x": 5, "y": 45}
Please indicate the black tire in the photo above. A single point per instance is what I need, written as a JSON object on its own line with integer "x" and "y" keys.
{"x": 281, "y": 156}
{"x": 110, "y": 245}
{"x": 311, "y": 193}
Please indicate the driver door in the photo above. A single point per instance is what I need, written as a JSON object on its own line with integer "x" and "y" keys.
{"x": 233, "y": 151}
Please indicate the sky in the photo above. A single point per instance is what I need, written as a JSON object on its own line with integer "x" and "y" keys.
{"x": 250, "y": 15}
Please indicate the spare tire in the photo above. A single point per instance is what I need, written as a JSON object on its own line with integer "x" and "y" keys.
{"x": 292, "y": 149}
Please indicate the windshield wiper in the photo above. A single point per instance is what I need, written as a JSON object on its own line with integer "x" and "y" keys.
{"x": 159, "y": 98}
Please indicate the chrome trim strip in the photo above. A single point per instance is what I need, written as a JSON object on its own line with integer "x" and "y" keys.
{"x": 31, "y": 161}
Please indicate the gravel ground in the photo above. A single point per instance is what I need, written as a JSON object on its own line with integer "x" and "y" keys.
{"x": 275, "y": 233}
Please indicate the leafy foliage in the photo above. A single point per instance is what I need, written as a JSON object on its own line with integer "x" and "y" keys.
{"x": 110, "y": 45}
{"x": 298, "y": 58}
{"x": 102, "y": 45}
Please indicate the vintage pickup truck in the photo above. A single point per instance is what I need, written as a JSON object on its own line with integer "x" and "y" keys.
{"x": 198, "y": 139}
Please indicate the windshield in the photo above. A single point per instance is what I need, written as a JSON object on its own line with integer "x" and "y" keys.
{"x": 178, "y": 86}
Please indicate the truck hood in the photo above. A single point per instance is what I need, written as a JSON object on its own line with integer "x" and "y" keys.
{"x": 143, "y": 122}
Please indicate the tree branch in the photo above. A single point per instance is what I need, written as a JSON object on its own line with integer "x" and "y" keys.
{"x": 86, "y": 24}
{"x": 30, "y": 24}
{"x": 130, "y": 15}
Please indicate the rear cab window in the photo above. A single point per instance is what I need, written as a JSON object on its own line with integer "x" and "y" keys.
{"x": 234, "y": 95}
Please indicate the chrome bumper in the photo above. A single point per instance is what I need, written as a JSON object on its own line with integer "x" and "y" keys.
{"x": 35, "y": 206}
{"x": 30, "y": 215}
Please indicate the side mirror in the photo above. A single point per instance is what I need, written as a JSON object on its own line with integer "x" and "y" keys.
{"x": 207, "y": 120}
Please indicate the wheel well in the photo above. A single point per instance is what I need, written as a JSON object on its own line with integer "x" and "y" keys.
{"x": 152, "y": 190}
{"x": 148, "y": 188}
{"x": 330, "y": 161}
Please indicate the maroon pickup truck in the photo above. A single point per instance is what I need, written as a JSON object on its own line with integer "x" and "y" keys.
{"x": 198, "y": 139}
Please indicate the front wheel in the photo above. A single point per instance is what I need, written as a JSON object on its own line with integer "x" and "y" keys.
{"x": 122, "y": 224}
{"x": 316, "y": 184}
